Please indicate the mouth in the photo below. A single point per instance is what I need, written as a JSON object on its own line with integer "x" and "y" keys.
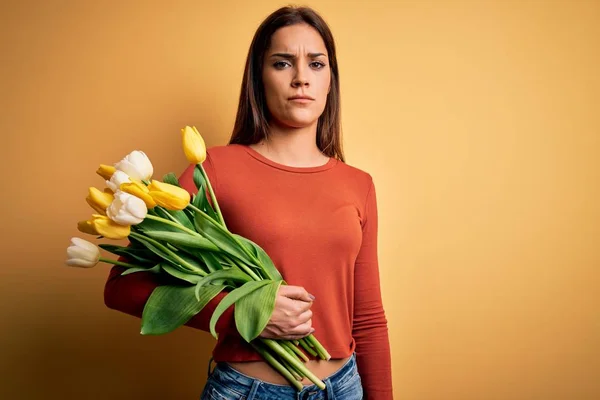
{"x": 302, "y": 98}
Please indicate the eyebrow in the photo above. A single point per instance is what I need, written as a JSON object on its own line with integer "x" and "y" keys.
{"x": 288, "y": 55}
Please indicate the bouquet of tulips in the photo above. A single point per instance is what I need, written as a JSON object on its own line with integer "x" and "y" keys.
{"x": 171, "y": 232}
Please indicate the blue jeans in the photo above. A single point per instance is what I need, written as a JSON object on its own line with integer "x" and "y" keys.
{"x": 226, "y": 383}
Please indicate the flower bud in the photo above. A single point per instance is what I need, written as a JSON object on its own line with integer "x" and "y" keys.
{"x": 98, "y": 200}
{"x": 127, "y": 209}
{"x": 117, "y": 179}
{"x": 140, "y": 190}
{"x": 137, "y": 165}
{"x": 193, "y": 145}
{"x": 169, "y": 196}
{"x": 82, "y": 253}
{"x": 108, "y": 228}
{"x": 106, "y": 171}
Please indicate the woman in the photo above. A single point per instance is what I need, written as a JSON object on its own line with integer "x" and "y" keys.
{"x": 282, "y": 182}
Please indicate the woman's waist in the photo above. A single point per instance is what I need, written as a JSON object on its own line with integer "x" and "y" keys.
{"x": 261, "y": 370}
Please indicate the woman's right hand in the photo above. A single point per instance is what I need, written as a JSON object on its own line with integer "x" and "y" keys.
{"x": 292, "y": 317}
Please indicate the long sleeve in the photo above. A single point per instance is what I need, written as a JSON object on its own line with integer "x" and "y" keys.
{"x": 369, "y": 329}
{"x": 130, "y": 293}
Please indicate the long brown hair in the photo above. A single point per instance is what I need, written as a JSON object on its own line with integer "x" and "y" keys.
{"x": 251, "y": 123}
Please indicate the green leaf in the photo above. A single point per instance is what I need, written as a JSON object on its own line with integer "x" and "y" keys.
{"x": 177, "y": 258}
{"x": 183, "y": 239}
{"x": 253, "y": 311}
{"x": 224, "y": 240}
{"x": 171, "y": 179}
{"x": 265, "y": 261}
{"x": 169, "y": 307}
{"x": 232, "y": 274}
{"x": 148, "y": 225}
{"x": 155, "y": 270}
{"x": 175, "y": 216}
{"x": 184, "y": 276}
{"x": 211, "y": 261}
{"x": 230, "y": 299}
{"x": 140, "y": 255}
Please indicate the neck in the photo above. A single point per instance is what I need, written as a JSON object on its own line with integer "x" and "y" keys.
{"x": 295, "y": 147}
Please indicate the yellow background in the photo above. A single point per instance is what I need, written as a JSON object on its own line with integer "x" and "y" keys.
{"x": 479, "y": 121}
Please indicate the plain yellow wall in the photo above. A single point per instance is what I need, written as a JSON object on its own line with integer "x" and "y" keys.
{"x": 479, "y": 121}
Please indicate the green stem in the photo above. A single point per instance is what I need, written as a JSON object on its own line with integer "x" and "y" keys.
{"x": 291, "y": 369}
{"x": 174, "y": 224}
{"x": 168, "y": 252}
{"x": 277, "y": 366}
{"x": 276, "y": 347}
{"x": 225, "y": 231}
{"x": 213, "y": 197}
{"x": 307, "y": 348}
{"x": 296, "y": 351}
{"x": 116, "y": 262}
{"x": 319, "y": 347}
{"x": 172, "y": 218}
{"x": 246, "y": 269}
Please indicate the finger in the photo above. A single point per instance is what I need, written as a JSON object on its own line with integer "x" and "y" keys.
{"x": 296, "y": 293}
{"x": 302, "y": 330}
{"x": 304, "y": 317}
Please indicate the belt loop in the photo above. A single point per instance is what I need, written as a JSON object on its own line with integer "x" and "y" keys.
{"x": 253, "y": 389}
{"x": 329, "y": 389}
{"x": 209, "y": 371}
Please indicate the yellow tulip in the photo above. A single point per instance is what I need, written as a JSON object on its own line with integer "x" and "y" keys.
{"x": 139, "y": 190}
{"x": 104, "y": 226}
{"x": 109, "y": 228}
{"x": 98, "y": 200}
{"x": 193, "y": 145}
{"x": 87, "y": 227}
{"x": 169, "y": 196}
{"x": 106, "y": 171}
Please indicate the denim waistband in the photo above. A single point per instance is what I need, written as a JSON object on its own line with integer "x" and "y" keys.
{"x": 229, "y": 376}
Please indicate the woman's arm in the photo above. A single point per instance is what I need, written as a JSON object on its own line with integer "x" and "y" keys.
{"x": 369, "y": 327}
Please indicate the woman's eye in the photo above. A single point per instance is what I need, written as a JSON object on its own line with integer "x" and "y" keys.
{"x": 317, "y": 64}
{"x": 281, "y": 64}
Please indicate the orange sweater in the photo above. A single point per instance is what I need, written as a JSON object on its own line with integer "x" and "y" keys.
{"x": 319, "y": 226}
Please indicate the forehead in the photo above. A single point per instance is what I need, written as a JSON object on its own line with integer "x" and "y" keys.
{"x": 298, "y": 37}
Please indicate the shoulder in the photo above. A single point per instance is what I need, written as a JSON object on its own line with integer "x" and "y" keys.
{"x": 359, "y": 178}
{"x": 224, "y": 152}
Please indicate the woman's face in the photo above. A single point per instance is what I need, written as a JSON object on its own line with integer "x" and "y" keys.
{"x": 296, "y": 64}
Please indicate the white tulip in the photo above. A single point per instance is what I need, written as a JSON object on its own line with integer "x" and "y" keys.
{"x": 137, "y": 165}
{"x": 126, "y": 209}
{"x": 82, "y": 253}
{"x": 116, "y": 180}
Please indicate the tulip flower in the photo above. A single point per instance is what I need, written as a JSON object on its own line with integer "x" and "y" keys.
{"x": 106, "y": 171}
{"x": 98, "y": 200}
{"x": 139, "y": 190}
{"x": 193, "y": 145}
{"x": 169, "y": 196}
{"x": 87, "y": 227}
{"x": 82, "y": 253}
{"x": 137, "y": 165}
{"x": 116, "y": 180}
{"x": 104, "y": 226}
{"x": 126, "y": 209}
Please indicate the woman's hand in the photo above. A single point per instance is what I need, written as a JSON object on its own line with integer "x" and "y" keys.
{"x": 292, "y": 317}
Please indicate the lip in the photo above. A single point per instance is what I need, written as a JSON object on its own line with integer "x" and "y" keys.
{"x": 301, "y": 98}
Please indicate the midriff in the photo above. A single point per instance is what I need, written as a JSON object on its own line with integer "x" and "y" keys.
{"x": 264, "y": 372}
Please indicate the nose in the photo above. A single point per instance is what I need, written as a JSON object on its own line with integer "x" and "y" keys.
{"x": 301, "y": 78}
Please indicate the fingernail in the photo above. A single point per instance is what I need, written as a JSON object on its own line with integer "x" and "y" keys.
{"x": 311, "y": 331}
{"x": 311, "y": 296}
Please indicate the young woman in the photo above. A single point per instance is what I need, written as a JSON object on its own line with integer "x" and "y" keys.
{"x": 282, "y": 182}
